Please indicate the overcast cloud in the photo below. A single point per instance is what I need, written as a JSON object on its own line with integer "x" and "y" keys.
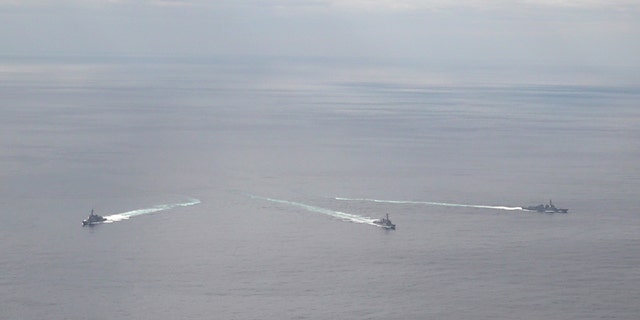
{"x": 548, "y": 31}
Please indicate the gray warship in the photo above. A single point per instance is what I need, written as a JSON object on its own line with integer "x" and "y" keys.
{"x": 385, "y": 223}
{"x": 93, "y": 219}
{"x": 546, "y": 208}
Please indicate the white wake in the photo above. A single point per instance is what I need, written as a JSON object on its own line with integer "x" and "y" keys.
{"x": 433, "y": 203}
{"x": 162, "y": 207}
{"x": 336, "y": 214}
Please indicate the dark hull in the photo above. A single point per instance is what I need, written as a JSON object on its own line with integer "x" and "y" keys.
{"x": 87, "y": 223}
{"x": 385, "y": 223}
{"x": 93, "y": 219}
{"x": 386, "y": 226}
{"x": 546, "y": 209}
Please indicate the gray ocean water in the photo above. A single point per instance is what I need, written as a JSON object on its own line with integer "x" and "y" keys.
{"x": 245, "y": 189}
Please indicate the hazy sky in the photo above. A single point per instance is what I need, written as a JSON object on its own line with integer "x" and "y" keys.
{"x": 590, "y": 32}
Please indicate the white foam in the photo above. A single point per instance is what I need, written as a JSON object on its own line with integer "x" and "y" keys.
{"x": 433, "y": 203}
{"x": 162, "y": 207}
{"x": 336, "y": 214}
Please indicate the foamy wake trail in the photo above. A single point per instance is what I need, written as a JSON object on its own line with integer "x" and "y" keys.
{"x": 336, "y": 214}
{"x": 433, "y": 203}
{"x": 162, "y": 207}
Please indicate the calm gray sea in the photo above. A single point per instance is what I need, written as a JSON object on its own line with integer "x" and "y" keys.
{"x": 245, "y": 188}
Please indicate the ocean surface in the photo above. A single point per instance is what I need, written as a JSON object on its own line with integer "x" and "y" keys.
{"x": 245, "y": 188}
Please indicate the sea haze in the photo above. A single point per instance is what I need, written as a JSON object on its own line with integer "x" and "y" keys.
{"x": 242, "y": 188}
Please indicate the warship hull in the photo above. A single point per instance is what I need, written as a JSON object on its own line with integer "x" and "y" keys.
{"x": 385, "y": 223}
{"x": 93, "y": 219}
{"x": 546, "y": 208}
